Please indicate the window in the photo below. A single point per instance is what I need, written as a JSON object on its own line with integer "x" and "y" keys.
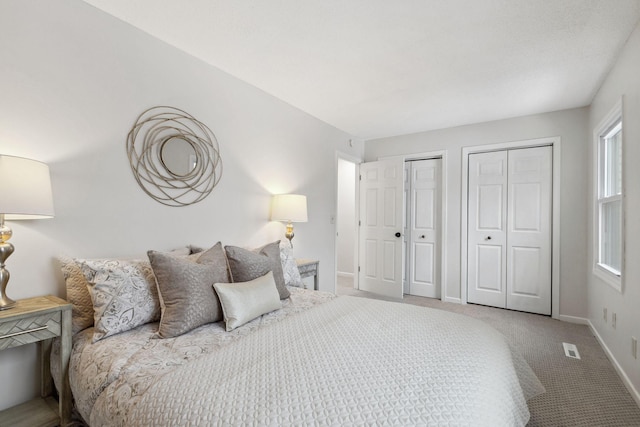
{"x": 609, "y": 209}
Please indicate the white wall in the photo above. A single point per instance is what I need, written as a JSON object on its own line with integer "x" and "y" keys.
{"x": 622, "y": 81}
{"x": 346, "y": 216}
{"x": 73, "y": 80}
{"x": 571, "y": 126}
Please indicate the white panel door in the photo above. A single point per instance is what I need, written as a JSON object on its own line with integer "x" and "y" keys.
{"x": 529, "y": 230}
{"x": 487, "y": 231}
{"x": 423, "y": 231}
{"x": 405, "y": 226}
{"x": 509, "y": 229}
{"x": 381, "y": 227}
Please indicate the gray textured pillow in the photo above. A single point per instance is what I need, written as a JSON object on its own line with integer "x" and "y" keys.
{"x": 185, "y": 286}
{"x": 243, "y": 302}
{"x": 123, "y": 293}
{"x": 246, "y": 265}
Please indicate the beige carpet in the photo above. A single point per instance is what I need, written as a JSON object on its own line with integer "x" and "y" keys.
{"x": 585, "y": 392}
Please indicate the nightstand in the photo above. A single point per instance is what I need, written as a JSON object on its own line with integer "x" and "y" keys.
{"x": 308, "y": 268}
{"x": 39, "y": 320}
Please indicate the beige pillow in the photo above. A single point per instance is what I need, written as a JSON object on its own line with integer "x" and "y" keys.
{"x": 246, "y": 265}
{"x": 243, "y": 302}
{"x": 185, "y": 287}
{"x": 77, "y": 294}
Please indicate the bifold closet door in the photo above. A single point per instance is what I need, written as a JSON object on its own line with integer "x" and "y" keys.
{"x": 487, "y": 233}
{"x": 529, "y": 230}
{"x": 423, "y": 231}
{"x": 509, "y": 229}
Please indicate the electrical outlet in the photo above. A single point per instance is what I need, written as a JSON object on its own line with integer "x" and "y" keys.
{"x": 613, "y": 320}
{"x": 604, "y": 314}
{"x": 634, "y": 347}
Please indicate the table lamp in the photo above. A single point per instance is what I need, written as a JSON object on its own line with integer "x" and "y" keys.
{"x": 25, "y": 193}
{"x": 290, "y": 208}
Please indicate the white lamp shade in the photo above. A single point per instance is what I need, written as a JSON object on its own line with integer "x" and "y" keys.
{"x": 25, "y": 189}
{"x": 289, "y": 207}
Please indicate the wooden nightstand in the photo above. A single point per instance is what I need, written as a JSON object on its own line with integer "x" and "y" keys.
{"x": 309, "y": 267}
{"x": 40, "y": 320}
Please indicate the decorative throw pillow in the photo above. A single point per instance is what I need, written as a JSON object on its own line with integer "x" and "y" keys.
{"x": 185, "y": 286}
{"x": 77, "y": 294}
{"x": 289, "y": 267}
{"x": 123, "y": 293}
{"x": 244, "y": 301}
{"x": 246, "y": 265}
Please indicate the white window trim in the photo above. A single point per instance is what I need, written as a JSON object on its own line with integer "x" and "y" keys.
{"x": 603, "y": 272}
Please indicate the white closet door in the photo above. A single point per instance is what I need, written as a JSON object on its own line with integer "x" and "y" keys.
{"x": 406, "y": 218}
{"x": 529, "y": 230}
{"x": 487, "y": 236}
{"x": 381, "y": 210}
{"x": 509, "y": 229}
{"x": 423, "y": 230}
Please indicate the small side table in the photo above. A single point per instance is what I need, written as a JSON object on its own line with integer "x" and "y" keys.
{"x": 39, "y": 320}
{"x": 310, "y": 267}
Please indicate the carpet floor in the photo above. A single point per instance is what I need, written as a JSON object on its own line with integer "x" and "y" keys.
{"x": 584, "y": 392}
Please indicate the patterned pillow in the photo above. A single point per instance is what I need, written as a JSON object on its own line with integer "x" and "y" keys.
{"x": 77, "y": 294}
{"x": 185, "y": 286}
{"x": 289, "y": 266}
{"x": 246, "y": 265}
{"x": 123, "y": 293}
{"x": 243, "y": 302}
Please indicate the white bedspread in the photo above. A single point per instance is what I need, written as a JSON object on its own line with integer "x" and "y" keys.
{"x": 350, "y": 361}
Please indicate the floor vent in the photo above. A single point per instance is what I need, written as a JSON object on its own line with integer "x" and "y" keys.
{"x": 570, "y": 350}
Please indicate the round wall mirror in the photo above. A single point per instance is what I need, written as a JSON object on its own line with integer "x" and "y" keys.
{"x": 178, "y": 156}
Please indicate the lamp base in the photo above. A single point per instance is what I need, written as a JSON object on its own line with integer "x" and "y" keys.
{"x": 6, "y": 303}
{"x": 6, "y": 249}
{"x": 289, "y": 233}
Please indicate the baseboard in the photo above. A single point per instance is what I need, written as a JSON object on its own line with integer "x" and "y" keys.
{"x": 344, "y": 274}
{"x": 452, "y": 300}
{"x": 573, "y": 319}
{"x": 623, "y": 376}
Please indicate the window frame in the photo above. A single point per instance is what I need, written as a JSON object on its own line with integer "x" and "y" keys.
{"x": 608, "y": 126}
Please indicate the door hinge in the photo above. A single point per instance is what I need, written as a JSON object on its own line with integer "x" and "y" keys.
{"x": 359, "y": 177}
{"x": 359, "y": 223}
{"x": 358, "y": 269}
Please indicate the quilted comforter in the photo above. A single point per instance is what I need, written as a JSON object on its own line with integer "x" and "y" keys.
{"x": 318, "y": 361}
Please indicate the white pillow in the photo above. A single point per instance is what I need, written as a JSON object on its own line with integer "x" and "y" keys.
{"x": 244, "y": 301}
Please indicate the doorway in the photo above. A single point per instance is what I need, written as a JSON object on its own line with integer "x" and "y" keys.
{"x": 346, "y": 225}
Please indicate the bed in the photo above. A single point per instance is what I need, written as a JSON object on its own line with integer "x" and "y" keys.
{"x": 318, "y": 360}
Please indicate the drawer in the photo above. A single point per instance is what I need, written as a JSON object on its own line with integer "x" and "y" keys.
{"x": 31, "y": 329}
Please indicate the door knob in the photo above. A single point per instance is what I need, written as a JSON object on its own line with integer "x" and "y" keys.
{"x": 488, "y": 238}
{"x": 422, "y": 237}
{"x": 398, "y": 234}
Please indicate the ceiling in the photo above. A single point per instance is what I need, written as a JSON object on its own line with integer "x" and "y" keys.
{"x": 378, "y": 68}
